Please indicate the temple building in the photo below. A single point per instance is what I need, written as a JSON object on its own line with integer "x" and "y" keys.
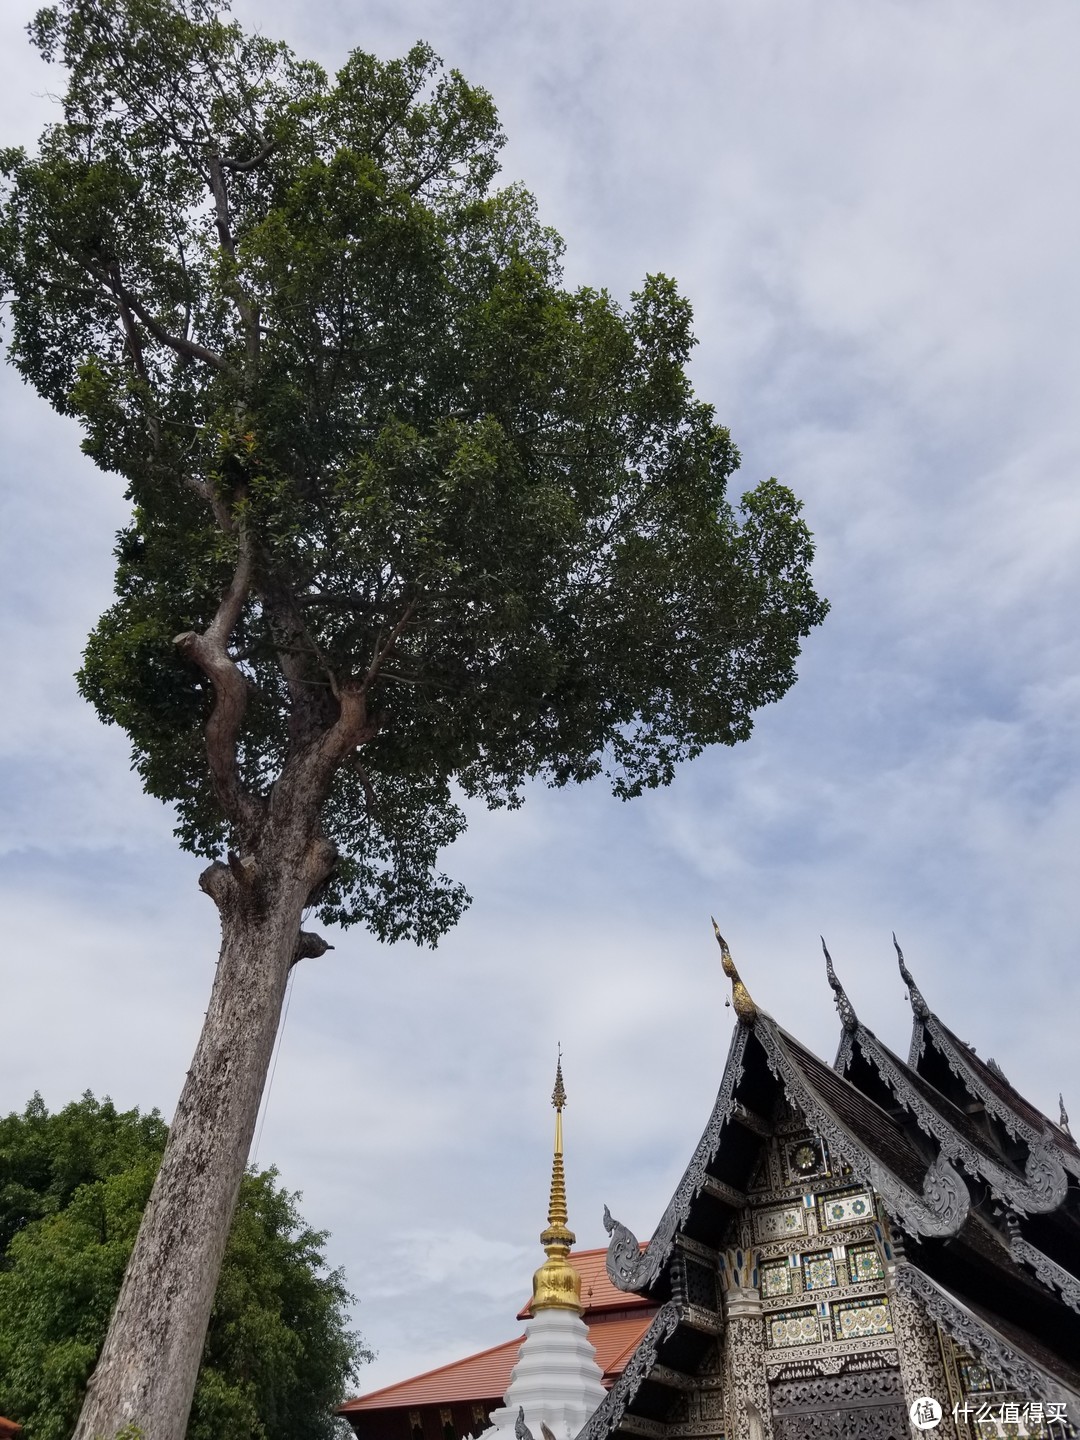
{"x": 870, "y": 1250}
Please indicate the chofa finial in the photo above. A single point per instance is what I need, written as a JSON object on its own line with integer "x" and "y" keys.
{"x": 846, "y": 1010}
{"x": 1063, "y": 1122}
{"x": 745, "y": 1008}
{"x": 918, "y": 1004}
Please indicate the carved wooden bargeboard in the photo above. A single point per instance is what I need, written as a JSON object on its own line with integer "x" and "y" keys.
{"x": 857, "y": 1240}
{"x": 866, "y": 1406}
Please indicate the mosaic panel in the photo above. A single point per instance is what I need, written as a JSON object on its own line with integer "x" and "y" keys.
{"x": 794, "y": 1327}
{"x": 806, "y": 1158}
{"x": 838, "y": 1210}
{"x": 990, "y": 1408}
{"x": 864, "y": 1263}
{"x": 862, "y": 1317}
{"x": 819, "y": 1272}
{"x": 775, "y": 1278}
{"x": 1008, "y": 1420}
{"x": 778, "y": 1224}
{"x": 974, "y": 1376}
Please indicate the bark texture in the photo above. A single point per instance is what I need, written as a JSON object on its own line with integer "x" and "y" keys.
{"x": 146, "y": 1373}
{"x": 148, "y": 1367}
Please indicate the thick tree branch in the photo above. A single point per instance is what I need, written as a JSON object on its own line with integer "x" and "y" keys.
{"x": 138, "y": 364}
{"x": 301, "y": 789}
{"x": 383, "y": 652}
{"x": 309, "y": 946}
{"x": 210, "y": 652}
{"x": 311, "y": 709}
{"x": 110, "y": 276}
{"x": 107, "y": 273}
{"x": 221, "y": 205}
{"x": 243, "y": 166}
{"x": 206, "y": 491}
{"x": 249, "y": 314}
{"x": 370, "y": 798}
{"x": 134, "y": 340}
{"x": 353, "y": 727}
{"x": 306, "y": 776}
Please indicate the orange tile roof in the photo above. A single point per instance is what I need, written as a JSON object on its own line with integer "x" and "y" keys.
{"x": 617, "y": 1337}
{"x": 478, "y": 1377}
{"x": 8, "y": 1427}
{"x": 616, "y": 1324}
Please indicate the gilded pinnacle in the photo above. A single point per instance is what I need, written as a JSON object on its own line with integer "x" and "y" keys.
{"x": 745, "y": 1008}
{"x": 557, "y": 1285}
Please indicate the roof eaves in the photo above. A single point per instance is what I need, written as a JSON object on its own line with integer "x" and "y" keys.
{"x": 1053, "y": 1276}
{"x": 606, "y": 1417}
{"x": 360, "y": 1402}
{"x": 943, "y": 1204}
{"x": 976, "y": 1332}
{"x": 1003, "y": 1100}
{"x": 634, "y": 1267}
{"x": 1040, "y": 1189}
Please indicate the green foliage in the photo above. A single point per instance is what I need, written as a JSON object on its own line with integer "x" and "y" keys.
{"x": 358, "y": 354}
{"x": 44, "y": 1159}
{"x": 73, "y": 1185}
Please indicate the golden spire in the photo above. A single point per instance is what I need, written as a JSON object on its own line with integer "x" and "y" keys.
{"x": 745, "y": 1008}
{"x": 557, "y": 1285}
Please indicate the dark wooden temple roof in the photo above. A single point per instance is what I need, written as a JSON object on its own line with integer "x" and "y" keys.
{"x": 951, "y": 1064}
{"x": 982, "y": 1191}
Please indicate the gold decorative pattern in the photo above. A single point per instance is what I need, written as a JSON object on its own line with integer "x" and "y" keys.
{"x": 745, "y": 1008}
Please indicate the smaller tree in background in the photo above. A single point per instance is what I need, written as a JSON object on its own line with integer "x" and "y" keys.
{"x": 278, "y": 1355}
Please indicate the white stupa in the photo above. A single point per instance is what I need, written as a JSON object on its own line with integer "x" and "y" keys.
{"x": 556, "y": 1383}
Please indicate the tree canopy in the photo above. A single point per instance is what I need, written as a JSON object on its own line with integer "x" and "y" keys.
{"x": 412, "y": 525}
{"x": 342, "y": 379}
{"x": 278, "y": 1354}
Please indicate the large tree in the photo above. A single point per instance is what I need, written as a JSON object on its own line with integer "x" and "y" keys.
{"x": 278, "y": 1352}
{"x": 412, "y": 524}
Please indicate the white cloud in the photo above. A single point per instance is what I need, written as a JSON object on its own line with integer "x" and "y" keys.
{"x": 869, "y": 207}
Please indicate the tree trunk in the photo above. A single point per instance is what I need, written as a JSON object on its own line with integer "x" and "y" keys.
{"x": 147, "y": 1370}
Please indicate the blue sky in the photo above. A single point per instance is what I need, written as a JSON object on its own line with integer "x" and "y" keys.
{"x": 872, "y": 210}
